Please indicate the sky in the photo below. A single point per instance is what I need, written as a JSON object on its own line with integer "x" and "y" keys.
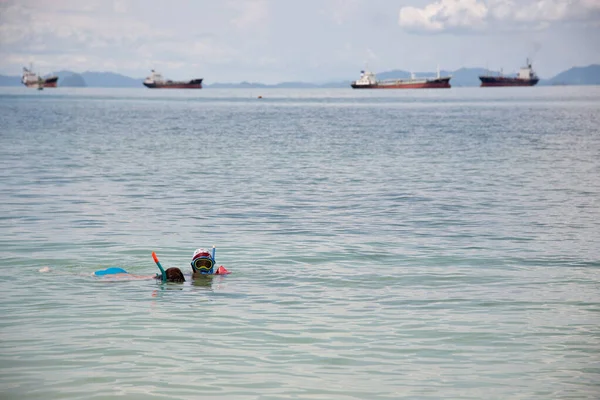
{"x": 274, "y": 41}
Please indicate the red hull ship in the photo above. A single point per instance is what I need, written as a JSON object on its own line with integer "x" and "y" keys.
{"x": 31, "y": 79}
{"x": 369, "y": 81}
{"x": 156, "y": 81}
{"x": 526, "y": 77}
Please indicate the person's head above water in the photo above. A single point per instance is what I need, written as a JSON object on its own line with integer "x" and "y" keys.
{"x": 170, "y": 275}
{"x": 173, "y": 275}
{"x": 203, "y": 262}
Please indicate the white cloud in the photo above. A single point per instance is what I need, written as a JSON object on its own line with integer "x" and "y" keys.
{"x": 342, "y": 11}
{"x": 444, "y": 14}
{"x": 120, "y": 6}
{"x": 448, "y": 15}
{"x": 32, "y": 26}
{"x": 251, "y": 13}
{"x": 96, "y": 35}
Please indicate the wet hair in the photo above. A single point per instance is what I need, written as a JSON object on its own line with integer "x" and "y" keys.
{"x": 173, "y": 275}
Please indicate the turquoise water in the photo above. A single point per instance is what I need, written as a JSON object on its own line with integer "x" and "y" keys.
{"x": 406, "y": 244}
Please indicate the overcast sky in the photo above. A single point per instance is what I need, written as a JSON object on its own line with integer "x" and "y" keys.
{"x": 283, "y": 40}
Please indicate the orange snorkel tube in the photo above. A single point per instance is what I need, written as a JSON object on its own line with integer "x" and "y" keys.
{"x": 162, "y": 271}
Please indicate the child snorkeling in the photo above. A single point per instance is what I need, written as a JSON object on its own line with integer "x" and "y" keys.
{"x": 203, "y": 263}
{"x": 168, "y": 275}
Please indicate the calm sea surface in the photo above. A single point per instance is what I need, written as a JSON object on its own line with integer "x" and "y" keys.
{"x": 384, "y": 245}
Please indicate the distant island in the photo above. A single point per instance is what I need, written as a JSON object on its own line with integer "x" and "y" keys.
{"x": 463, "y": 77}
{"x": 74, "y": 80}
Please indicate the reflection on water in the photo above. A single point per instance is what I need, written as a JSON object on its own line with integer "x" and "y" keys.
{"x": 200, "y": 280}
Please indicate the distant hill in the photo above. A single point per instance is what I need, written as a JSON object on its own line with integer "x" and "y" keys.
{"x": 74, "y": 80}
{"x": 589, "y": 75}
{"x": 110, "y": 79}
{"x": 64, "y": 78}
{"x": 335, "y": 85}
{"x": 100, "y": 79}
{"x": 62, "y": 75}
{"x": 468, "y": 76}
{"x": 6, "y": 80}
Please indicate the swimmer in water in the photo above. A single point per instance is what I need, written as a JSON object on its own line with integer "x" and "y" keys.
{"x": 170, "y": 275}
{"x": 203, "y": 263}
{"x": 117, "y": 273}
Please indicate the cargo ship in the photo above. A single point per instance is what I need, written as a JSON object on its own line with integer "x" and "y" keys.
{"x": 31, "y": 79}
{"x": 368, "y": 80}
{"x": 156, "y": 81}
{"x": 525, "y": 77}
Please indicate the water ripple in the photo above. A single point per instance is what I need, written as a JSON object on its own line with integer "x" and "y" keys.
{"x": 383, "y": 245}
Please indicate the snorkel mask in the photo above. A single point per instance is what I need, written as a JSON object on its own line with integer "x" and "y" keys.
{"x": 203, "y": 262}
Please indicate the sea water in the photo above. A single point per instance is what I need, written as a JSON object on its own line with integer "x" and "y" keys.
{"x": 418, "y": 244}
